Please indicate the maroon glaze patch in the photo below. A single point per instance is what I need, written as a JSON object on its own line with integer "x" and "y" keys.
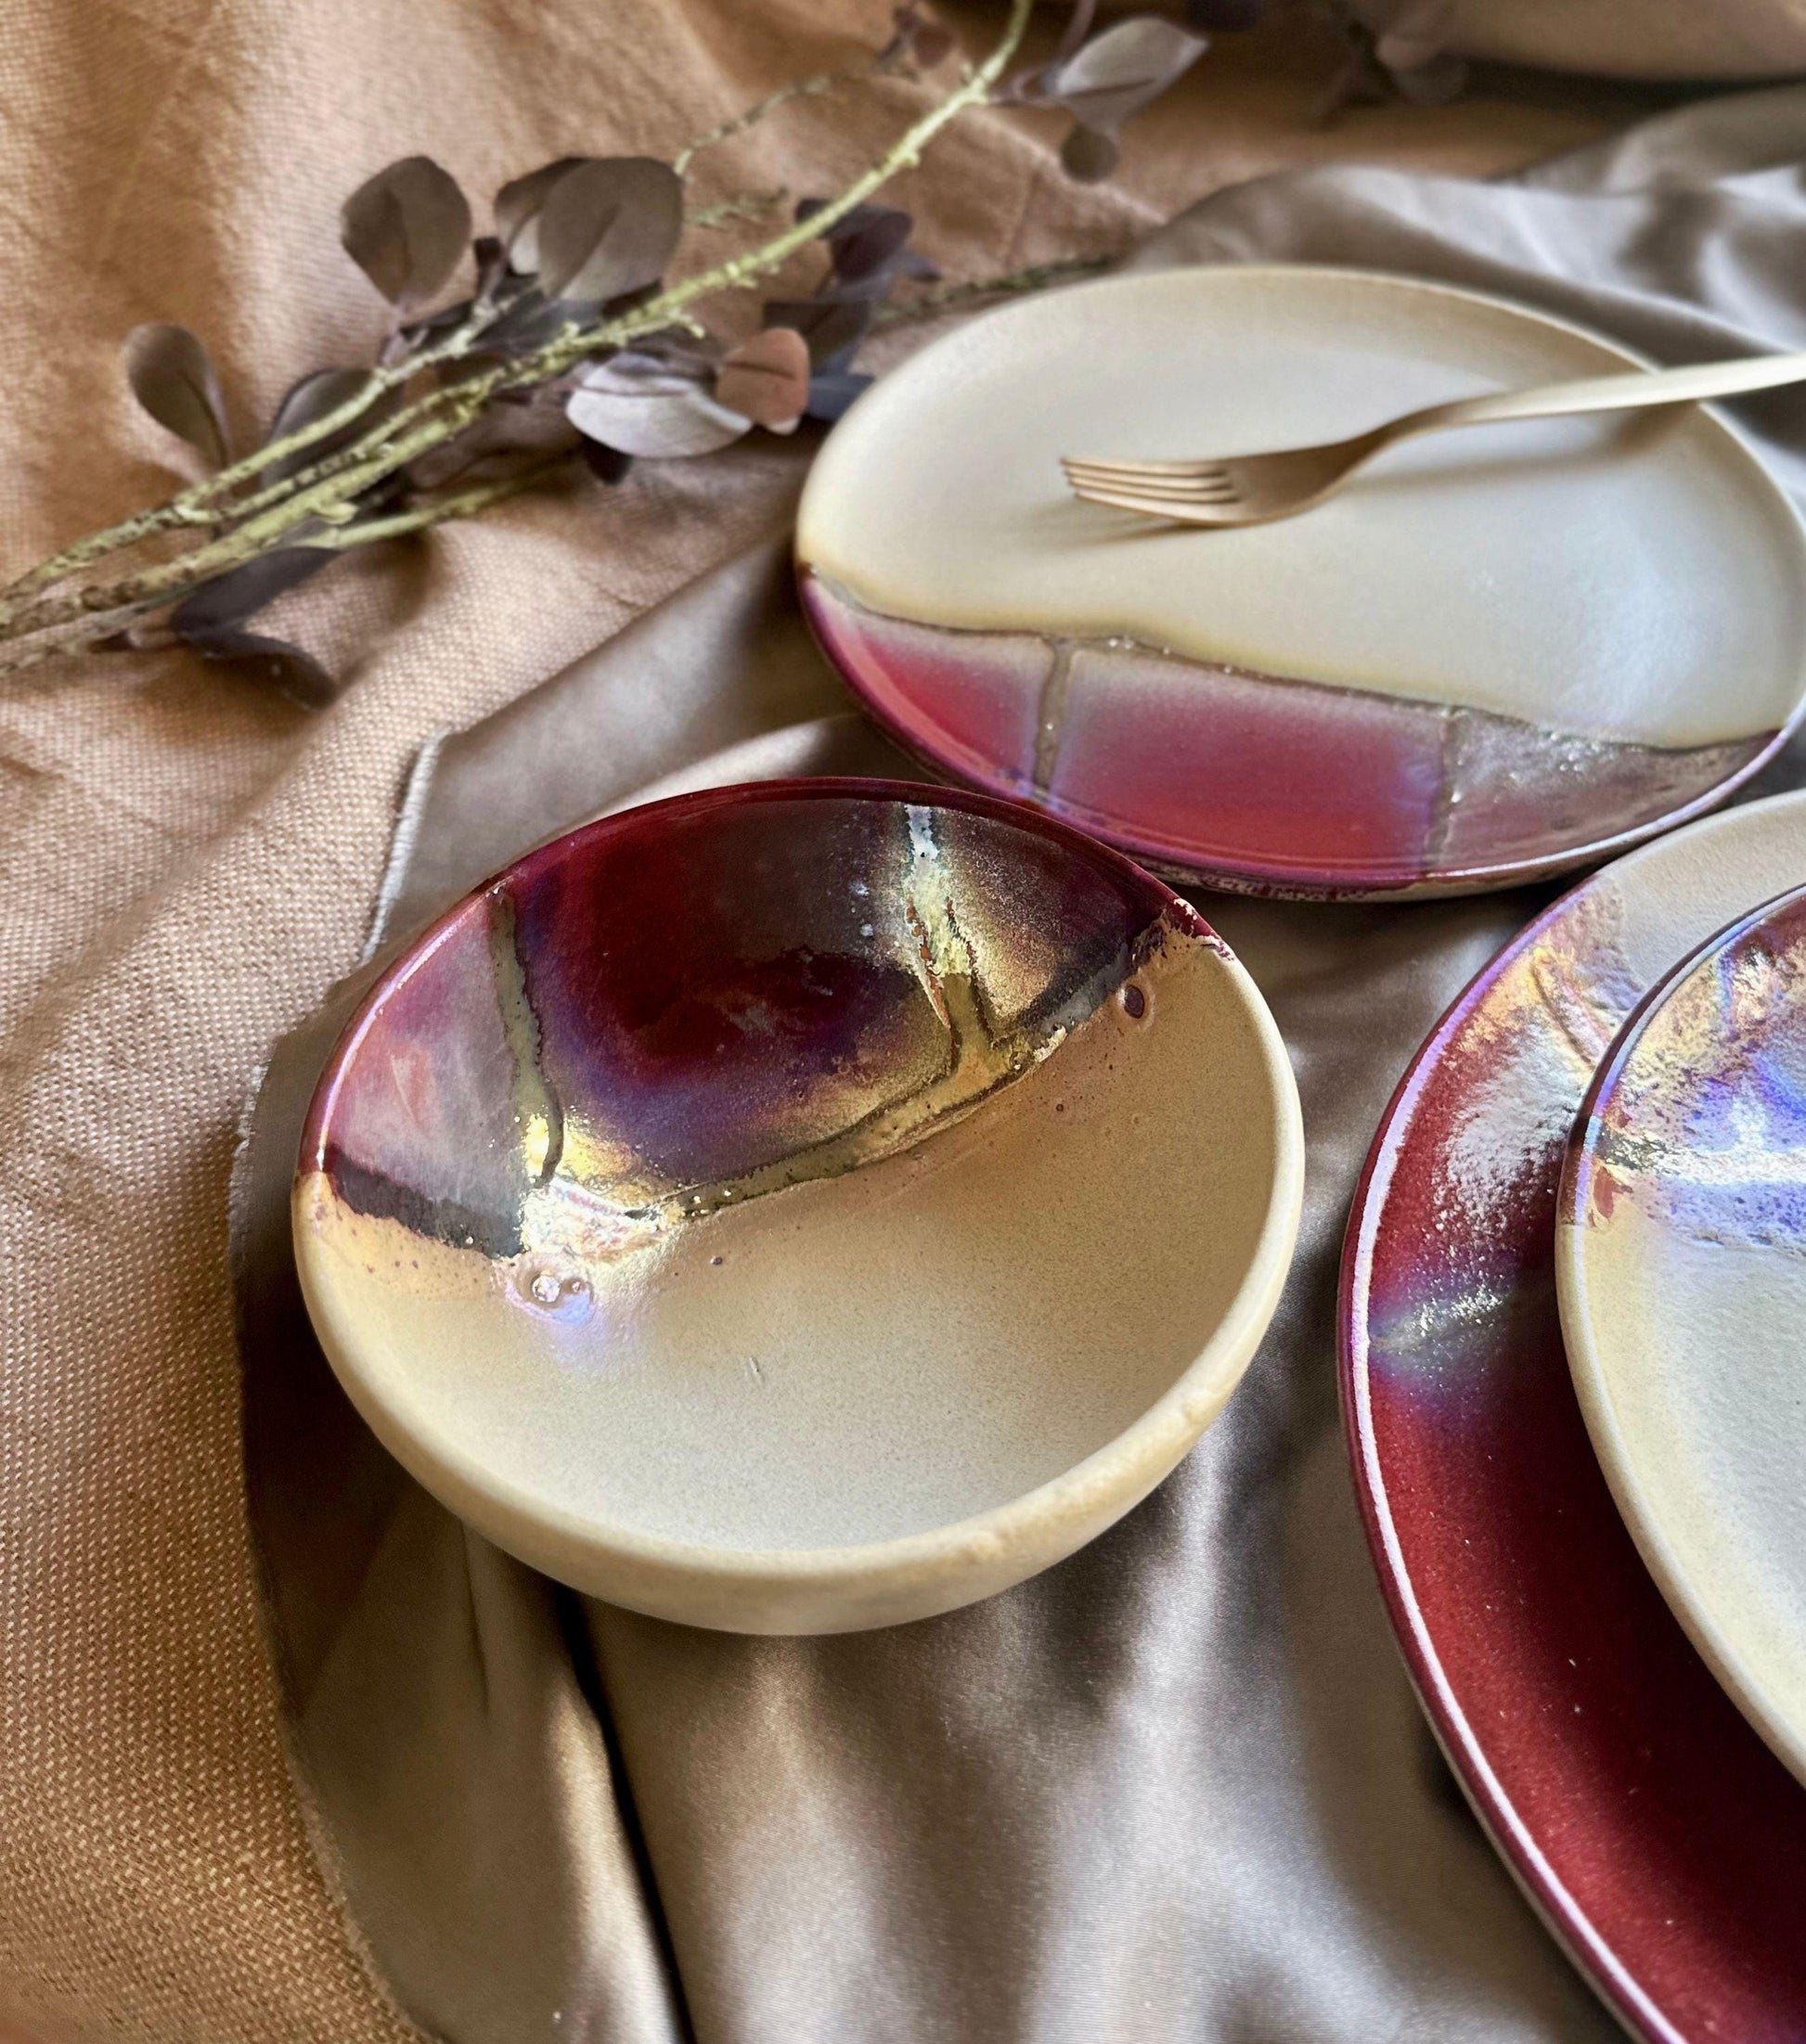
{"x": 705, "y": 999}
{"x": 1260, "y": 783}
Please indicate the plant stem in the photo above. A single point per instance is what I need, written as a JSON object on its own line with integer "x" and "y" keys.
{"x": 959, "y": 296}
{"x": 194, "y": 505}
{"x": 750, "y": 117}
{"x": 417, "y": 518}
{"x": 326, "y": 488}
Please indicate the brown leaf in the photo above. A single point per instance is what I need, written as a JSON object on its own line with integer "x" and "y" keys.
{"x": 406, "y": 229}
{"x": 213, "y": 622}
{"x": 1118, "y": 73}
{"x": 833, "y": 326}
{"x": 1089, "y": 154}
{"x": 173, "y": 378}
{"x": 606, "y": 464}
{"x": 316, "y": 394}
{"x": 226, "y": 601}
{"x": 766, "y": 379}
{"x": 498, "y": 431}
{"x": 517, "y": 211}
{"x": 644, "y": 408}
{"x": 608, "y": 228}
{"x": 286, "y": 668}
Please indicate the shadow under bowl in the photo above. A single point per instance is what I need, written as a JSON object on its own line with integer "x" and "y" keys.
{"x": 801, "y": 1207}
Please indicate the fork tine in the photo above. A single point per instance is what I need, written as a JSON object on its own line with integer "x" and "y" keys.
{"x": 1126, "y": 471}
{"x": 1172, "y": 489}
{"x": 1174, "y": 511}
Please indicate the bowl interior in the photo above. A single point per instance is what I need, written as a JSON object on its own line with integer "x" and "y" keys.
{"x": 776, "y": 1170}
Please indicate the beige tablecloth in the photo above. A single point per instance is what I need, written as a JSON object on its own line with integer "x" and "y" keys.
{"x": 188, "y": 862}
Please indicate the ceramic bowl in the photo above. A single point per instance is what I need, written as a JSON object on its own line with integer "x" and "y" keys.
{"x": 801, "y": 1207}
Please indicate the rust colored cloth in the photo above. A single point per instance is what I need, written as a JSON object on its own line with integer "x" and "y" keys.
{"x": 188, "y": 862}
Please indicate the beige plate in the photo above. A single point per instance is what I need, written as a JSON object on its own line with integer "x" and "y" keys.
{"x": 1681, "y": 1255}
{"x": 1496, "y": 653}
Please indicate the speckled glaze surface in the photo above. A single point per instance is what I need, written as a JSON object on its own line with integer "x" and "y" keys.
{"x": 804, "y": 1206}
{"x": 1505, "y": 653}
{"x": 1660, "y": 1838}
{"x": 1681, "y": 1256}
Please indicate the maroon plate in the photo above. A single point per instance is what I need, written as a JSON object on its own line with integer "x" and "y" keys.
{"x": 1660, "y": 1839}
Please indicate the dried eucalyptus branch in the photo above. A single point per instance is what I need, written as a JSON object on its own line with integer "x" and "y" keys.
{"x": 573, "y": 343}
{"x": 964, "y": 294}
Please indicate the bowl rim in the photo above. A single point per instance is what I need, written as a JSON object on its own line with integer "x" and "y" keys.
{"x": 1086, "y": 1496}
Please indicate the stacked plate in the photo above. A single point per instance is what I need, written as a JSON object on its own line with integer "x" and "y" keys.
{"x": 1592, "y": 1179}
{"x": 1504, "y": 655}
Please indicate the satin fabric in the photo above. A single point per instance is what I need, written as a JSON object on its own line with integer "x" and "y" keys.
{"x": 1176, "y": 1787}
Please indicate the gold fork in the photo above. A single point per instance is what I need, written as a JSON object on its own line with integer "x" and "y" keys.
{"x": 1250, "y": 488}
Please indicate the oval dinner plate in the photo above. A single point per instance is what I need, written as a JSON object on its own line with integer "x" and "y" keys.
{"x": 800, "y": 1207}
{"x": 1498, "y": 654}
{"x": 1680, "y": 1259}
{"x": 1660, "y": 1838}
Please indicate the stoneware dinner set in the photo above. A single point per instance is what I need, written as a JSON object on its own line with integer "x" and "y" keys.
{"x": 820, "y": 1205}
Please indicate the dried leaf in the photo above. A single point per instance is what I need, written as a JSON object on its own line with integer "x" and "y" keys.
{"x": 766, "y": 379}
{"x": 316, "y": 394}
{"x": 643, "y": 407}
{"x": 500, "y": 430}
{"x": 406, "y": 229}
{"x": 608, "y": 228}
{"x": 606, "y": 464}
{"x": 1088, "y": 154}
{"x": 517, "y": 211}
{"x": 832, "y": 391}
{"x": 528, "y": 324}
{"x": 173, "y": 378}
{"x": 1072, "y": 37}
{"x": 1118, "y": 73}
{"x": 833, "y": 326}
{"x": 213, "y": 622}
{"x": 869, "y": 249}
{"x": 223, "y": 603}
{"x": 295, "y": 674}
{"x": 869, "y": 240}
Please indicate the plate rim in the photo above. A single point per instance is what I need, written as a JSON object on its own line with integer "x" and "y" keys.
{"x": 1785, "y": 1736}
{"x": 1254, "y": 876}
{"x": 1583, "y": 1942}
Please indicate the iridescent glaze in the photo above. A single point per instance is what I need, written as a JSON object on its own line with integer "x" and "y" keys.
{"x": 1681, "y": 1261}
{"x": 1258, "y": 783}
{"x": 1698, "y": 1118}
{"x": 772, "y": 1208}
{"x": 1657, "y": 1833}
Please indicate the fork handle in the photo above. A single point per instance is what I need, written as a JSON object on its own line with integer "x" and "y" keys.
{"x": 1611, "y": 393}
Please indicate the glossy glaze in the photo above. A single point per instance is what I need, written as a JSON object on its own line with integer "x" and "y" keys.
{"x": 801, "y": 1206}
{"x": 1497, "y": 657}
{"x": 1681, "y": 1261}
{"x": 1663, "y": 1840}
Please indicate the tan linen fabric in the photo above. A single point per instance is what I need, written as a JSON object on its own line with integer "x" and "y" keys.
{"x": 188, "y": 862}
